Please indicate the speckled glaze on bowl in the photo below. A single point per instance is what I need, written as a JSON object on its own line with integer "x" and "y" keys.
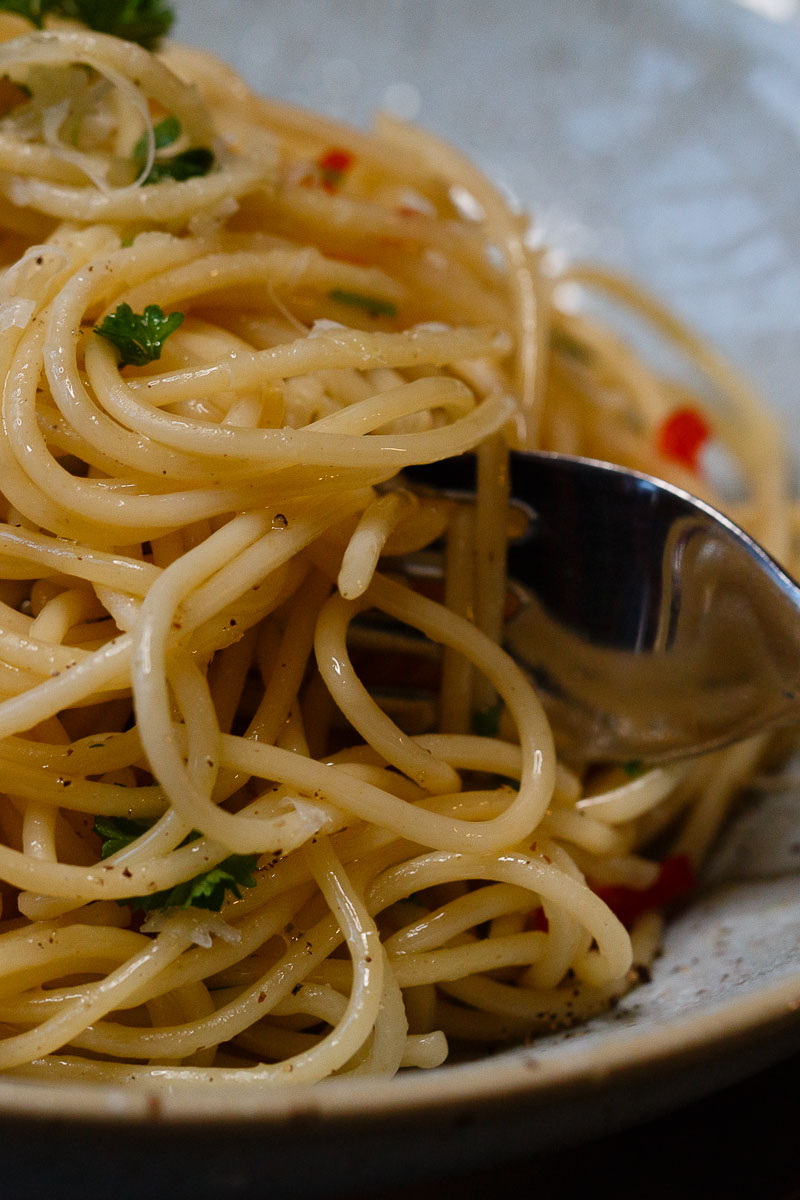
{"x": 661, "y": 137}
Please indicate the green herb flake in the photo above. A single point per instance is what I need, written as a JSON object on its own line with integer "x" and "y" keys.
{"x": 118, "y": 832}
{"x": 190, "y": 164}
{"x": 139, "y": 337}
{"x": 142, "y": 21}
{"x": 568, "y": 345}
{"x": 206, "y": 890}
{"x": 486, "y": 721}
{"x": 372, "y": 305}
{"x": 34, "y": 10}
{"x": 634, "y": 768}
{"x": 165, "y": 133}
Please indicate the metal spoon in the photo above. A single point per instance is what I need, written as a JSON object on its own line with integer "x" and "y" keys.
{"x": 652, "y": 626}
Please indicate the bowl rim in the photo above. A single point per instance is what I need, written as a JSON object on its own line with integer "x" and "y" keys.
{"x": 761, "y": 1019}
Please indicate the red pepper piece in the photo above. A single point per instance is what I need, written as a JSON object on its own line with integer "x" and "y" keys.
{"x": 333, "y": 165}
{"x": 538, "y": 921}
{"x": 11, "y": 96}
{"x": 683, "y": 435}
{"x": 675, "y": 879}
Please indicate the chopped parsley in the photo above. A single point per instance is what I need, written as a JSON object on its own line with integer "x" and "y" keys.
{"x": 164, "y": 134}
{"x": 118, "y": 832}
{"x": 569, "y": 345}
{"x": 206, "y": 890}
{"x": 486, "y": 721}
{"x": 139, "y": 337}
{"x": 373, "y": 305}
{"x": 186, "y": 165}
{"x": 634, "y": 768}
{"x": 189, "y": 164}
{"x": 142, "y": 21}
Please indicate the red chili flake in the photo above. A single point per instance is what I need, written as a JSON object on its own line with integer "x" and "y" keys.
{"x": 537, "y": 920}
{"x": 675, "y": 880}
{"x": 683, "y": 435}
{"x": 12, "y": 95}
{"x": 333, "y": 165}
{"x": 336, "y": 160}
{"x": 406, "y": 210}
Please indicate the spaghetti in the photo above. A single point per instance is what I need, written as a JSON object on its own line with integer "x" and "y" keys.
{"x": 276, "y": 804}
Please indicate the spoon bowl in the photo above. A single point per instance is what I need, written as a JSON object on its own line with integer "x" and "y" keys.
{"x": 652, "y": 626}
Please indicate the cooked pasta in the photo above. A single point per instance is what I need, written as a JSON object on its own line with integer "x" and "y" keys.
{"x": 276, "y": 805}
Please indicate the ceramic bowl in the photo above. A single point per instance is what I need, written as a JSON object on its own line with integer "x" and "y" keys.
{"x": 659, "y": 137}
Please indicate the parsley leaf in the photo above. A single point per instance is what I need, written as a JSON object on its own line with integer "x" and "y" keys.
{"x": 372, "y": 305}
{"x": 164, "y": 134}
{"x": 634, "y": 768}
{"x": 142, "y": 21}
{"x": 139, "y": 337}
{"x": 206, "y": 890}
{"x": 34, "y": 10}
{"x": 118, "y": 832}
{"x": 186, "y": 165}
{"x": 569, "y": 345}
